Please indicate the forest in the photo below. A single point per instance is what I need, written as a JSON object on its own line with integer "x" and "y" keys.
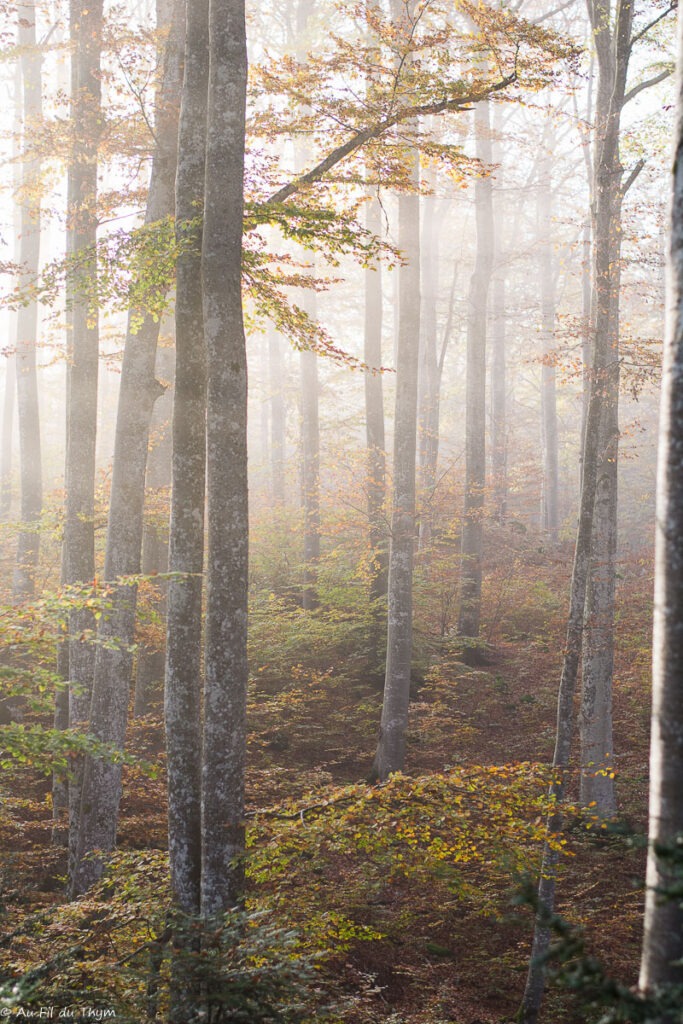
{"x": 341, "y": 511}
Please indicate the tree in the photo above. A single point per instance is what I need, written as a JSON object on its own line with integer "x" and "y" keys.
{"x": 149, "y": 676}
{"x": 28, "y": 548}
{"x": 97, "y": 811}
{"x": 374, "y": 412}
{"x": 475, "y": 412}
{"x": 186, "y": 541}
{"x": 498, "y": 369}
{"x": 390, "y": 754}
{"x": 613, "y": 47}
{"x": 225, "y": 694}
{"x": 549, "y": 440}
{"x": 614, "y": 41}
{"x": 206, "y": 811}
{"x": 82, "y": 370}
{"x": 662, "y": 954}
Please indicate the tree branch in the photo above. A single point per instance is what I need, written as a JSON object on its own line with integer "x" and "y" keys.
{"x": 375, "y": 131}
{"x": 632, "y": 93}
{"x": 635, "y": 171}
{"x": 551, "y": 14}
{"x": 644, "y": 31}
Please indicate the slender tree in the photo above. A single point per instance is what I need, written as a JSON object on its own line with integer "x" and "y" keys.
{"x": 549, "y": 430}
{"x": 82, "y": 365}
{"x": 475, "y": 413}
{"x": 310, "y": 463}
{"x": 28, "y": 547}
{"x": 186, "y": 546}
{"x": 98, "y": 804}
{"x": 390, "y": 754}
{"x": 613, "y": 47}
{"x": 224, "y": 747}
{"x": 662, "y": 955}
{"x": 374, "y": 412}
{"x": 149, "y": 675}
{"x": 498, "y": 368}
{"x": 429, "y": 393}
{"x": 614, "y": 42}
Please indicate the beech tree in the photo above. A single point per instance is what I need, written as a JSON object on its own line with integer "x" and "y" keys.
{"x": 475, "y": 413}
{"x": 82, "y": 368}
{"x": 390, "y": 754}
{"x": 662, "y": 953}
{"x": 186, "y": 543}
{"x": 614, "y": 42}
{"x": 97, "y": 811}
{"x": 27, "y": 317}
{"x": 206, "y": 811}
{"x": 549, "y": 429}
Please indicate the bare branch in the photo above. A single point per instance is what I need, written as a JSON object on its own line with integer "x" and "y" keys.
{"x": 632, "y": 93}
{"x": 635, "y": 171}
{"x": 358, "y": 140}
{"x": 644, "y": 31}
{"x": 551, "y": 14}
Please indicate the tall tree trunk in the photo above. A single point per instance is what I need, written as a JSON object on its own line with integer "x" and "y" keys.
{"x": 429, "y": 375}
{"x": 30, "y": 459}
{"x": 149, "y": 676}
{"x": 101, "y": 790}
{"x": 475, "y": 414}
{"x": 225, "y": 692}
{"x": 390, "y": 755}
{"x": 82, "y": 371}
{"x": 597, "y": 777}
{"x": 662, "y": 956}
{"x": 498, "y": 368}
{"x": 391, "y": 746}
{"x": 586, "y": 324}
{"x": 549, "y": 439}
{"x": 310, "y": 469}
{"x": 613, "y": 48}
{"x": 10, "y": 382}
{"x": 277, "y": 416}
{"x": 374, "y": 414}
{"x": 186, "y": 544}
{"x": 310, "y": 387}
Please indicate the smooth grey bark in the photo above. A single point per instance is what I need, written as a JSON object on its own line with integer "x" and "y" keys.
{"x": 612, "y": 52}
{"x": 225, "y": 692}
{"x": 139, "y": 389}
{"x": 662, "y": 953}
{"x": 278, "y": 416}
{"x": 149, "y": 674}
{"x": 28, "y": 413}
{"x": 391, "y": 747}
{"x": 310, "y": 464}
{"x": 611, "y": 89}
{"x": 375, "y": 435}
{"x": 310, "y": 390}
{"x": 475, "y": 412}
{"x": 429, "y": 382}
{"x": 374, "y": 414}
{"x": 182, "y": 697}
{"x": 549, "y": 432}
{"x": 78, "y": 552}
{"x": 498, "y": 367}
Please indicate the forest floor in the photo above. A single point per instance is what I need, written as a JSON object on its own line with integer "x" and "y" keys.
{"x": 428, "y": 946}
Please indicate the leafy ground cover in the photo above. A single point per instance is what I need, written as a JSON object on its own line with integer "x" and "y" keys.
{"x": 392, "y": 903}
